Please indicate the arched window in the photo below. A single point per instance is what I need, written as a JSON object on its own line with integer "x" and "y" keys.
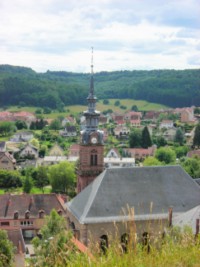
{"x": 124, "y": 242}
{"x": 60, "y": 212}
{"x": 146, "y": 241}
{"x": 93, "y": 158}
{"x": 104, "y": 243}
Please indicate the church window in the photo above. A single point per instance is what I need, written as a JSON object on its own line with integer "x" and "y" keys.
{"x": 103, "y": 243}
{"x": 124, "y": 242}
{"x": 93, "y": 159}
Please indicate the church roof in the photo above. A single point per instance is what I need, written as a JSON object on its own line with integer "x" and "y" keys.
{"x": 150, "y": 190}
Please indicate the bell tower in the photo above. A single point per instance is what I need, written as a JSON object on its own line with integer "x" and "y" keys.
{"x": 91, "y": 144}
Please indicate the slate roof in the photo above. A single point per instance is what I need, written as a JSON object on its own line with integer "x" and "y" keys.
{"x": 34, "y": 203}
{"x": 140, "y": 187}
{"x": 188, "y": 218}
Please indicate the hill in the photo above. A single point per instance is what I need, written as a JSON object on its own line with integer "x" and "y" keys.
{"x": 23, "y": 86}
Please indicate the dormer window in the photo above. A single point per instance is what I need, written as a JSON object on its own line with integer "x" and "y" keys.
{"x": 27, "y": 214}
{"x": 60, "y": 212}
{"x": 16, "y": 215}
{"x": 41, "y": 214}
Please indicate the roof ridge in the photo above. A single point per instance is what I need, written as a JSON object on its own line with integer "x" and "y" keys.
{"x": 92, "y": 196}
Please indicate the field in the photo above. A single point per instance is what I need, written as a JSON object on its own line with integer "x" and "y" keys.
{"x": 34, "y": 190}
{"x": 76, "y": 109}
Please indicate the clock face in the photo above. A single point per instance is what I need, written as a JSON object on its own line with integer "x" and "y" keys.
{"x": 94, "y": 140}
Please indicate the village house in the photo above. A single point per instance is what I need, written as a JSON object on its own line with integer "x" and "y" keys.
{"x": 7, "y": 161}
{"x": 56, "y": 150}
{"x": 29, "y": 151}
{"x": 69, "y": 131}
{"x": 22, "y": 137}
{"x": 167, "y": 124}
{"x": 187, "y": 115}
{"x": 26, "y": 212}
{"x": 140, "y": 153}
{"x": 169, "y": 134}
{"x": 122, "y": 200}
{"x": 118, "y": 119}
{"x": 121, "y": 131}
{"x": 68, "y": 120}
{"x": 74, "y": 150}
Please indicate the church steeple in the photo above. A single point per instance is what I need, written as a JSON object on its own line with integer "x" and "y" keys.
{"x": 91, "y": 143}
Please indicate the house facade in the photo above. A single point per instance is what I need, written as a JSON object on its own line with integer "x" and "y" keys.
{"x": 7, "y": 161}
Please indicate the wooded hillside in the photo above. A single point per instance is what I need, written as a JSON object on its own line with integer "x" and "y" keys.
{"x": 23, "y": 86}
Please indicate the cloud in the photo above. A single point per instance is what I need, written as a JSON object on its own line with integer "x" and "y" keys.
{"x": 58, "y": 34}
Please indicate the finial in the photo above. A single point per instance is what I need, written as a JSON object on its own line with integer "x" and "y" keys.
{"x": 92, "y": 60}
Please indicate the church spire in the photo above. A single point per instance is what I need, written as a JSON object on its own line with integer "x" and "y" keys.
{"x": 92, "y": 76}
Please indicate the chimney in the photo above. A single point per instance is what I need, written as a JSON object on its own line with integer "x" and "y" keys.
{"x": 7, "y": 206}
{"x": 170, "y": 212}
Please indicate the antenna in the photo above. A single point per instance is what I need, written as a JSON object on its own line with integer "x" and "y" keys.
{"x": 92, "y": 60}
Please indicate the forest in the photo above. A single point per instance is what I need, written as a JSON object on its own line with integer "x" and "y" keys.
{"x": 55, "y": 89}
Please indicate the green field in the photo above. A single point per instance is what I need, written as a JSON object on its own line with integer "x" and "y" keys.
{"x": 76, "y": 109}
{"x": 34, "y": 190}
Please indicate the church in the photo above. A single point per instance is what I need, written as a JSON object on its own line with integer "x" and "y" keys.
{"x": 117, "y": 202}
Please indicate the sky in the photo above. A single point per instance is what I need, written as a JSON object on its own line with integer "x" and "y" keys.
{"x": 57, "y": 35}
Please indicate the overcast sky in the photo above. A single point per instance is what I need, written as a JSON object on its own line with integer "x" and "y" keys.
{"x": 126, "y": 34}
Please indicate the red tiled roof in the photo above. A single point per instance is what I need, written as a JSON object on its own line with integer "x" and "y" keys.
{"x": 34, "y": 203}
{"x": 82, "y": 248}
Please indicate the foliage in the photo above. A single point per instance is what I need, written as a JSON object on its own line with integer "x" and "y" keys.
{"x": 41, "y": 179}
{"x": 160, "y": 141}
{"x": 175, "y": 88}
{"x": 105, "y": 101}
{"x": 9, "y": 179}
{"x": 27, "y": 183}
{"x": 134, "y": 108}
{"x": 192, "y": 166}
{"x": 62, "y": 178}
{"x": 166, "y": 155}
{"x": 146, "y": 138}
{"x": 6, "y": 250}
{"x": 35, "y": 142}
{"x": 20, "y": 125}
{"x": 196, "y": 140}
{"x": 6, "y": 128}
{"x": 117, "y": 103}
{"x": 54, "y": 247}
{"x": 179, "y": 137}
{"x": 152, "y": 161}
{"x": 55, "y": 124}
{"x": 181, "y": 151}
{"x": 135, "y": 138}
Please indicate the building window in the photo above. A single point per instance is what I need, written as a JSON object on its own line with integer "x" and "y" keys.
{"x": 16, "y": 215}
{"x": 5, "y": 223}
{"x": 93, "y": 160}
{"x": 104, "y": 243}
{"x": 124, "y": 242}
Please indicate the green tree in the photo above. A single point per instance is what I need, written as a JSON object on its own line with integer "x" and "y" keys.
{"x": 196, "y": 140}
{"x": 192, "y": 166}
{"x": 10, "y": 179}
{"x": 35, "y": 142}
{"x": 20, "y": 125}
{"x": 117, "y": 103}
{"x": 41, "y": 178}
{"x": 55, "y": 125}
{"x": 55, "y": 247}
{"x": 27, "y": 184}
{"x": 134, "y": 108}
{"x": 62, "y": 178}
{"x": 166, "y": 155}
{"x": 146, "y": 138}
{"x": 179, "y": 136}
{"x": 135, "y": 138}
{"x": 6, "y": 250}
{"x": 6, "y": 128}
{"x": 151, "y": 161}
{"x": 160, "y": 141}
{"x": 106, "y": 102}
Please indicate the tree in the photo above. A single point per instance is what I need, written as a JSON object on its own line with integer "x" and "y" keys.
{"x": 165, "y": 155}
{"x": 6, "y": 250}
{"x": 179, "y": 137}
{"x": 55, "y": 125}
{"x": 106, "y": 102}
{"x": 35, "y": 142}
{"x": 6, "y": 128}
{"x": 41, "y": 178}
{"x": 192, "y": 166}
{"x": 62, "y": 178}
{"x": 196, "y": 140}
{"x": 151, "y": 161}
{"x": 27, "y": 184}
{"x": 10, "y": 179}
{"x": 146, "y": 138}
{"x": 117, "y": 103}
{"x": 135, "y": 138}
{"x": 20, "y": 125}
{"x": 134, "y": 108}
{"x": 160, "y": 141}
{"x": 54, "y": 247}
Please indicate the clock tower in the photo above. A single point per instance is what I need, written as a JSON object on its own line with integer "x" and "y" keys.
{"x": 91, "y": 144}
